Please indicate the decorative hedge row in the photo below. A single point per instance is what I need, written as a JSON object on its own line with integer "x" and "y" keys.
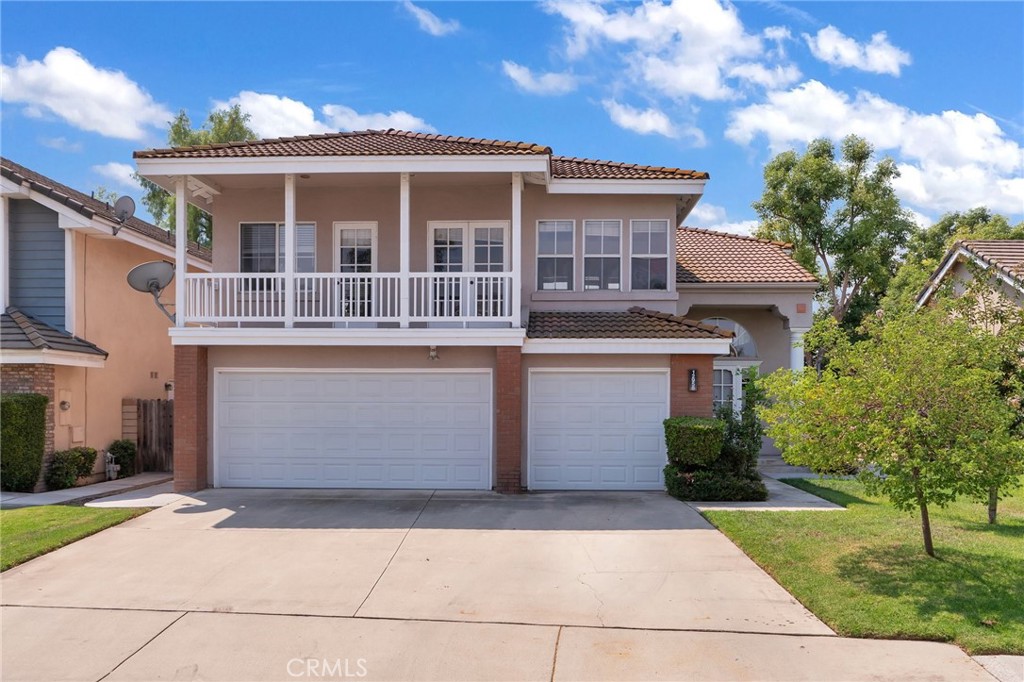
{"x": 68, "y": 466}
{"x": 693, "y": 441}
{"x": 22, "y": 440}
{"x": 709, "y": 462}
{"x": 713, "y": 485}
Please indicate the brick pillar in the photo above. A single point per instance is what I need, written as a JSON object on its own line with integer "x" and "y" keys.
{"x": 190, "y": 418}
{"x": 509, "y": 419}
{"x": 35, "y": 378}
{"x": 684, "y": 402}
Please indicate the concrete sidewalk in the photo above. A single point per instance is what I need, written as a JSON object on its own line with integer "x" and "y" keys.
{"x": 781, "y": 497}
{"x": 85, "y": 492}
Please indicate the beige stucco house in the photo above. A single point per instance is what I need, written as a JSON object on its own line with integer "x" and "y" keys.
{"x": 70, "y": 328}
{"x": 400, "y": 310}
{"x": 1001, "y": 260}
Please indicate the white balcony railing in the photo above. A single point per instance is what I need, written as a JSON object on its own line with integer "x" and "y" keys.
{"x": 362, "y": 297}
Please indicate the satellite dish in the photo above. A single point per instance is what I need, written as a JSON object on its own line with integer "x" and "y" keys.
{"x": 152, "y": 278}
{"x": 124, "y": 208}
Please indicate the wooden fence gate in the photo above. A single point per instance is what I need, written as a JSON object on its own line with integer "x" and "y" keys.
{"x": 156, "y": 434}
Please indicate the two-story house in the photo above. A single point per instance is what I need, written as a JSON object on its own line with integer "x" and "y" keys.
{"x": 70, "y": 328}
{"x": 401, "y": 310}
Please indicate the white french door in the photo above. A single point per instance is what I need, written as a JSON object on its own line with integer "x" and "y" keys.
{"x": 468, "y": 247}
{"x": 355, "y": 252}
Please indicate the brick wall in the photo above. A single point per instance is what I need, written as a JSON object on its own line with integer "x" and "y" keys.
{"x": 190, "y": 418}
{"x": 37, "y": 378}
{"x": 684, "y": 402}
{"x": 509, "y": 416}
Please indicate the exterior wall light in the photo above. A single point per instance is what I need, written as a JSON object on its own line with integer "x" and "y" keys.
{"x": 65, "y": 405}
{"x": 432, "y": 355}
{"x": 692, "y": 384}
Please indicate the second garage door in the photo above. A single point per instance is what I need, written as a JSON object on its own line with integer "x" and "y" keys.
{"x": 597, "y": 430}
{"x": 328, "y": 429}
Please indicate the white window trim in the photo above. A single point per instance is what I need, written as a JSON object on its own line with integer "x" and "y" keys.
{"x": 619, "y": 255}
{"x": 736, "y": 366}
{"x": 278, "y": 225}
{"x": 537, "y": 256}
{"x": 340, "y": 225}
{"x": 468, "y": 255}
{"x": 669, "y": 267}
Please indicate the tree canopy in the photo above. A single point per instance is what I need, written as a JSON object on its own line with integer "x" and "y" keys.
{"x": 843, "y": 218}
{"x": 223, "y": 125}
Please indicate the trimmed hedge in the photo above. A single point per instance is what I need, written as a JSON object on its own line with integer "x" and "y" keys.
{"x": 22, "y": 440}
{"x": 693, "y": 441}
{"x": 124, "y": 452}
{"x": 713, "y": 485}
{"x": 68, "y": 466}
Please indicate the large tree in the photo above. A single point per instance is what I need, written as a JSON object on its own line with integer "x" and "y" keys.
{"x": 223, "y": 125}
{"x": 843, "y": 218}
{"x": 915, "y": 407}
{"x": 926, "y": 248}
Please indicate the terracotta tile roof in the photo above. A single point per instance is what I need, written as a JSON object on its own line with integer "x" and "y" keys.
{"x": 393, "y": 142}
{"x": 636, "y": 323}
{"x": 1005, "y": 254}
{"x": 89, "y": 206}
{"x": 705, "y": 256}
{"x": 590, "y": 169}
{"x": 389, "y": 142}
{"x": 19, "y": 331}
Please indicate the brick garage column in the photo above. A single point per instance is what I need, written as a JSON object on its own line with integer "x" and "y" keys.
{"x": 190, "y": 418}
{"x": 509, "y": 418}
{"x": 684, "y": 402}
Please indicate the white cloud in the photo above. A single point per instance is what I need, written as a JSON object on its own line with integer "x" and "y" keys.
{"x": 430, "y": 22}
{"x": 831, "y": 46}
{"x": 61, "y": 144}
{"x": 121, "y": 173}
{"x": 949, "y": 161}
{"x": 713, "y": 217}
{"x": 539, "y": 84}
{"x": 276, "y": 116}
{"x": 99, "y": 100}
{"x": 649, "y": 121}
{"x": 686, "y": 48}
{"x": 347, "y": 118}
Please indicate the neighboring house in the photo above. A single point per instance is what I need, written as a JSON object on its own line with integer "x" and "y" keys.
{"x": 455, "y": 313}
{"x": 1001, "y": 259}
{"x": 71, "y": 328}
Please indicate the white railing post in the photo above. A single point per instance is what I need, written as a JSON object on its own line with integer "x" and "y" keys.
{"x": 289, "y": 250}
{"x": 180, "y": 249}
{"x": 403, "y": 250}
{"x": 517, "y": 250}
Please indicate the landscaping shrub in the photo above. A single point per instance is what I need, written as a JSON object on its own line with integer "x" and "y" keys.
{"x": 124, "y": 452}
{"x": 693, "y": 441}
{"x": 68, "y": 466}
{"x": 743, "y": 430}
{"x": 22, "y": 440}
{"x": 717, "y": 484}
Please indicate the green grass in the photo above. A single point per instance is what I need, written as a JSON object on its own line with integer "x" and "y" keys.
{"x": 864, "y": 571}
{"x": 32, "y": 531}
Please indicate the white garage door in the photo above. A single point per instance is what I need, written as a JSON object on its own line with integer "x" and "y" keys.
{"x": 329, "y": 429}
{"x": 597, "y": 430}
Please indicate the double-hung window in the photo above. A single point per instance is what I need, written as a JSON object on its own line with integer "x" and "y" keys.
{"x": 649, "y": 259}
{"x": 602, "y": 254}
{"x": 262, "y": 247}
{"x": 555, "y": 245}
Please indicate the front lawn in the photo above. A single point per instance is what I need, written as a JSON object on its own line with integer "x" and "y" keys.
{"x": 864, "y": 571}
{"x": 29, "y": 532}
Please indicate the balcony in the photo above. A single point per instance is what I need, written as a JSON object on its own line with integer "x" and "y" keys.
{"x": 350, "y": 299}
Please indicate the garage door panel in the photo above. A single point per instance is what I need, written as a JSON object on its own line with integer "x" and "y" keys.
{"x": 597, "y": 430}
{"x": 337, "y": 429}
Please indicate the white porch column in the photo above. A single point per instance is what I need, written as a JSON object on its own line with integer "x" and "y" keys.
{"x": 180, "y": 248}
{"x": 289, "y": 250}
{"x": 5, "y": 266}
{"x": 796, "y": 351}
{"x": 517, "y": 249}
{"x": 403, "y": 250}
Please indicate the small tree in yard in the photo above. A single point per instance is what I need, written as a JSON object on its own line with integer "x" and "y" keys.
{"x": 914, "y": 407}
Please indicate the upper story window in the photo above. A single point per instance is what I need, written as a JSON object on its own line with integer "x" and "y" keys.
{"x": 602, "y": 254}
{"x": 262, "y": 247}
{"x": 356, "y": 247}
{"x": 555, "y": 248}
{"x": 650, "y": 249}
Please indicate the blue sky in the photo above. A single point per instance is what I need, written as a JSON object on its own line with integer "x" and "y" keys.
{"x": 702, "y": 84}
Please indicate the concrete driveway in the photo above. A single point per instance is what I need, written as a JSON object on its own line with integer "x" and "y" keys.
{"x": 284, "y": 585}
